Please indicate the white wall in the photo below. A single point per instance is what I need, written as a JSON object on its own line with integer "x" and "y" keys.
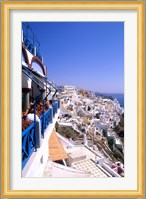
{"x": 26, "y": 81}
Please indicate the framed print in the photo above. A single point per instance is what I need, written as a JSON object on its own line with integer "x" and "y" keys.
{"x": 73, "y": 99}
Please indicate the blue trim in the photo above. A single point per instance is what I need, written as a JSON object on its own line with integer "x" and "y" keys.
{"x": 55, "y": 107}
{"x": 45, "y": 119}
{"x": 30, "y": 39}
{"x": 58, "y": 103}
{"x": 28, "y": 143}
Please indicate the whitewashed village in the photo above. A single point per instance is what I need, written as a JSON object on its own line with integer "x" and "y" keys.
{"x": 66, "y": 131}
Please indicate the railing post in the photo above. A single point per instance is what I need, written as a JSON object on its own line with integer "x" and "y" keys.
{"x": 58, "y": 104}
{"x": 51, "y": 115}
{"x": 35, "y": 122}
{"x": 35, "y": 101}
{"x": 43, "y": 118}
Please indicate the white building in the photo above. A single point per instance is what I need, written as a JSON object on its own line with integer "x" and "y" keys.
{"x": 35, "y": 137}
{"x": 71, "y": 90}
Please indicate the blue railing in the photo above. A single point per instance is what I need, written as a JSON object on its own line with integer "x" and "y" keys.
{"x": 55, "y": 107}
{"x": 30, "y": 40}
{"x": 45, "y": 119}
{"x": 28, "y": 44}
{"x": 28, "y": 143}
{"x": 30, "y": 47}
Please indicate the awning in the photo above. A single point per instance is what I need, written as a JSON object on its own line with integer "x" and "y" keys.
{"x": 42, "y": 81}
{"x": 28, "y": 72}
{"x": 56, "y": 150}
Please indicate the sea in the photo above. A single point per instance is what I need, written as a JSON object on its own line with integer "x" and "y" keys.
{"x": 119, "y": 97}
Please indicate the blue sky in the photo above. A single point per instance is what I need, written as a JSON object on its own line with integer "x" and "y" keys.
{"x": 89, "y": 55}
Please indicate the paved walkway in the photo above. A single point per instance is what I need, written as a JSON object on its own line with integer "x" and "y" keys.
{"x": 86, "y": 162}
{"x": 90, "y": 166}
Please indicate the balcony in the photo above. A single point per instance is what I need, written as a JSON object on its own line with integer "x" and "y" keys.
{"x": 28, "y": 143}
{"x": 30, "y": 41}
{"x": 31, "y": 141}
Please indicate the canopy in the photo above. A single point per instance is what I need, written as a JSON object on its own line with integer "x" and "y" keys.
{"x": 56, "y": 150}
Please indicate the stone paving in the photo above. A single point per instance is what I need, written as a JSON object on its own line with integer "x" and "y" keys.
{"x": 90, "y": 166}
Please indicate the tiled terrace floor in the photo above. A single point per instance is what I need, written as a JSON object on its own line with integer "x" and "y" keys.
{"x": 90, "y": 166}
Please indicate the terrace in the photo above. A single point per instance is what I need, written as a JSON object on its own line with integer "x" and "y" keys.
{"x": 30, "y": 41}
{"x": 32, "y": 138}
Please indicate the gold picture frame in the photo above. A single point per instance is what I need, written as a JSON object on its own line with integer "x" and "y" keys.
{"x": 7, "y": 6}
